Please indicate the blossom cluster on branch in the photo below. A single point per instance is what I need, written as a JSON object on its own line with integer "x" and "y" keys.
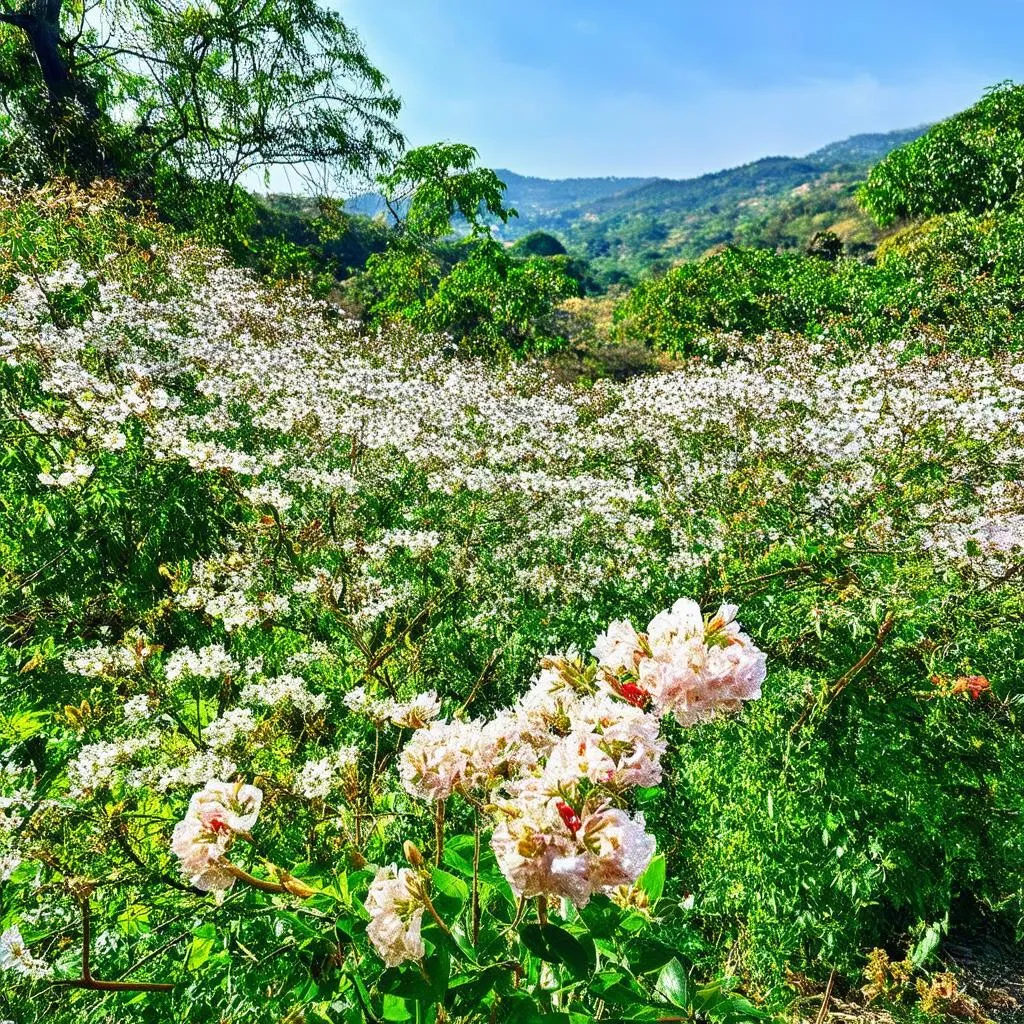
{"x": 553, "y": 772}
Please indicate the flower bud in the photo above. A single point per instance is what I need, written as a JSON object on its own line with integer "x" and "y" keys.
{"x": 412, "y": 853}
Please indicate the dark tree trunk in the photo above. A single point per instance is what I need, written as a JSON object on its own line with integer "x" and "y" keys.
{"x": 40, "y": 21}
{"x": 44, "y": 36}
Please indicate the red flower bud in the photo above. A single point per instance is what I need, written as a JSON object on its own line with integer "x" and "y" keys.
{"x": 634, "y": 695}
{"x": 569, "y": 816}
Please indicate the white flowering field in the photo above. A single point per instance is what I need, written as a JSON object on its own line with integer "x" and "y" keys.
{"x": 347, "y": 680}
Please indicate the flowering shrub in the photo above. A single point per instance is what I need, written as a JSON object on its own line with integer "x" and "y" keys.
{"x": 277, "y": 600}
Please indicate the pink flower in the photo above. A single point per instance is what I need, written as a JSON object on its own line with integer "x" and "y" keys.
{"x": 230, "y": 806}
{"x": 201, "y": 840}
{"x": 697, "y": 670}
{"x": 618, "y": 648}
{"x": 202, "y": 853}
{"x": 396, "y": 912}
{"x": 618, "y": 847}
{"x": 537, "y": 861}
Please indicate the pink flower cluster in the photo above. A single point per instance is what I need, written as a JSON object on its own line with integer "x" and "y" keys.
{"x": 684, "y": 665}
{"x": 556, "y": 767}
{"x": 216, "y": 815}
{"x": 396, "y": 906}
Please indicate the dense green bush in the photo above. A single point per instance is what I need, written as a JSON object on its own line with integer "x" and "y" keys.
{"x": 749, "y": 291}
{"x": 951, "y": 281}
{"x": 973, "y": 161}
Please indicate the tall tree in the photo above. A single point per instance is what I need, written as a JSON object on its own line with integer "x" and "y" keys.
{"x": 212, "y": 89}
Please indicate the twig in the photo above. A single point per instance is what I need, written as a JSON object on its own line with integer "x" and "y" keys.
{"x": 438, "y": 832}
{"x": 484, "y": 677}
{"x": 475, "y": 905}
{"x": 88, "y": 981}
{"x": 844, "y": 680}
{"x": 823, "y": 1012}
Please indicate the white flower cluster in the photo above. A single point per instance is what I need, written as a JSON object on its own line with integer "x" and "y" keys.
{"x": 137, "y": 709}
{"x": 552, "y": 462}
{"x": 228, "y": 727}
{"x": 226, "y": 589}
{"x": 187, "y": 774}
{"x": 282, "y": 689}
{"x": 416, "y": 713}
{"x": 76, "y": 473}
{"x": 269, "y": 494}
{"x": 317, "y": 779}
{"x": 685, "y": 665}
{"x": 97, "y": 765}
{"x": 217, "y": 815}
{"x": 104, "y": 660}
{"x": 15, "y": 956}
{"x": 212, "y": 662}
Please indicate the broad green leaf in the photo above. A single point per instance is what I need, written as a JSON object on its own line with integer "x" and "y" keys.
{"x": 395, "y": 1008}
{"x": 204, "y": 938}
{"x": 652, "y": 881}
{"x": 557, "y": 946}
{"x": 673, "y": 984}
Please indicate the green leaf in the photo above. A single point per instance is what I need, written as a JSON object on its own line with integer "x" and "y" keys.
{"x": 647, "y": 955}
{"x": 301, "y": 928}
{"x": 406, "y": 982}
{"x": 557, "y": 946}
{"x": 204, "y": 938}
{"x": 438, "y": 969}
{"x": 469, "y": 994}
{"x": 930, "y": 941}
{"x": 448, "y": 894}
{"x": 602, "y": 918}
{"x": 395, "y": 1008}
{"x": 673, "y": 984}
{"x": 652, "y": 881}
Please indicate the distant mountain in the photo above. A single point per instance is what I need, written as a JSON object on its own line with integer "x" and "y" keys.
{"x": 869, "y": 148}
{"x": 628, "y": 226}
{"x": 660, "y": 221}
{"x": 536, "y": 197}
{"x": 533, "y": 198}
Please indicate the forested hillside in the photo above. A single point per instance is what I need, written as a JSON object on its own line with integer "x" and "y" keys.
{"x": 626, "y": 227}
{"x": 659, "y": 222}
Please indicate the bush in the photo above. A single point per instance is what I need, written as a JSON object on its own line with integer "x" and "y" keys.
{"x": 971, "y": 162}
{"x": 949, "y": 282}
{"x": 749, "y": 291}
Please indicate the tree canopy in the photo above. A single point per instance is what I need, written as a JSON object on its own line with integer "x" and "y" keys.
{"x": 973, "y": 162}
{"x": 210, "y": 90}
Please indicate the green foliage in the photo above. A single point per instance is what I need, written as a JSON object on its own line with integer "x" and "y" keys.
{"x": 951, "y": 281}
{"x": 493, "y": 303}
{"x": 539, "y": 243}
{"x": 324, "y": 229}
{"x": 208, "y": 92}
{"x": 971, "y": 162}
{"x": 490, "y": 300}
{"x": 749, "y": 291}
{"x": 867, "y": 799}
{"x": 433, "y": 183}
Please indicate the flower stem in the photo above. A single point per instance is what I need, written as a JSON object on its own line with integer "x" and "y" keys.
{"x": 434, "y": 914}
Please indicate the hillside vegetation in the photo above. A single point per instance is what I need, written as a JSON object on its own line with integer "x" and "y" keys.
{"x": 661, "y": 222}
{"x": 626, "y": 227}
{"x": 369, "y": 668}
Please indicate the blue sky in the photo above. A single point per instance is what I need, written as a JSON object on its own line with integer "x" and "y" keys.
{"x": 653, "y": 87}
